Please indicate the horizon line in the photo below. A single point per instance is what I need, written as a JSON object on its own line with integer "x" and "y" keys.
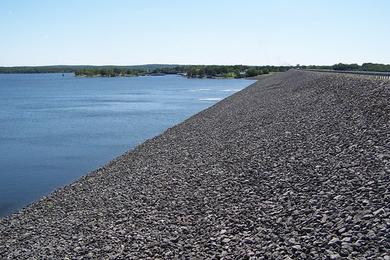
{"x": 180, "y": 64}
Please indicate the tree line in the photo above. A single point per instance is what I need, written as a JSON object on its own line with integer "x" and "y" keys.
{"x": 76, "y": 68}
{"x": 377, "y": 67}
{"x": 190, "y": 71}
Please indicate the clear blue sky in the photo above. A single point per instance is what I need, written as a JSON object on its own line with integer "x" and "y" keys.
{"x": 42, "y": 32}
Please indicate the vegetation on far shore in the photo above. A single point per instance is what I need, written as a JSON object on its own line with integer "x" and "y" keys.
{"x": 377, "y": 67}
{"x": 191, "y": 71}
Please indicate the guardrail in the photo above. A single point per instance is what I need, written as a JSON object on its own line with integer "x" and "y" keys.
{"x": 379, "y": 75}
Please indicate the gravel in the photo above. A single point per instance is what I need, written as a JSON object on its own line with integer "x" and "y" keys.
{"x": 295, "y": 166}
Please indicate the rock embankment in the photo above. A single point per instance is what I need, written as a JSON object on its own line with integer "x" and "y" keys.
{"x": 297, "y": 165}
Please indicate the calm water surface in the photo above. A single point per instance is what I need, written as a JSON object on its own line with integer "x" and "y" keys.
{"x": 54, "y": 128}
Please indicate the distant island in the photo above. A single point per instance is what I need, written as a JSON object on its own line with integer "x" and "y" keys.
{"x": 190, "y": 71}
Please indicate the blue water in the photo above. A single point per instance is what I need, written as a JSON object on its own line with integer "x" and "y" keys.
{"x": 54, "y": 128}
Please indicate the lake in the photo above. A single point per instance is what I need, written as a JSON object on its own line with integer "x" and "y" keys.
{"x": 55, "y": 128}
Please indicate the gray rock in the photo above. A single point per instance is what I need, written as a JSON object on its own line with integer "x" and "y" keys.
{"x": 297, "y": 247}
{"x": 287, "y": 168}
{"x": 334, "y": 240}
{"x": 346, "y": 239}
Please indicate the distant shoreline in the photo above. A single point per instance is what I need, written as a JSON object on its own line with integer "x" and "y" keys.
{"x": 190, "y": 71}
{"x": 154, "y": 75}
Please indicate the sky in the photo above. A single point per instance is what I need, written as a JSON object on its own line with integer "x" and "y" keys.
{"x": 251, "y": 32}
